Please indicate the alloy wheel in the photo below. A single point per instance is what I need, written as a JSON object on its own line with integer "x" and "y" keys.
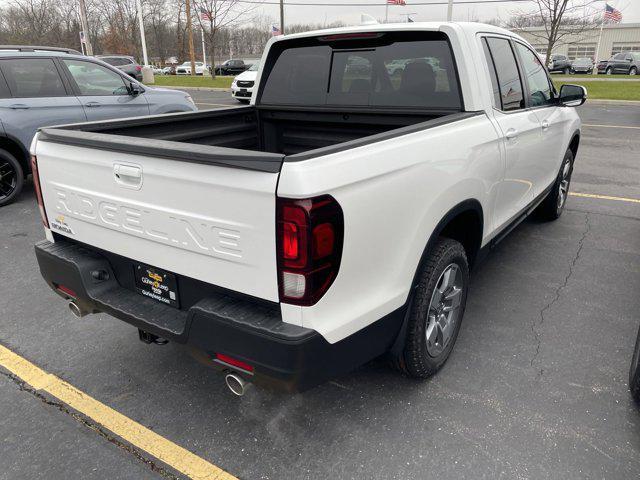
{"x": 8, "y": 179}
{"x": 444, "y": 310}
{"x": 563, "y": 188}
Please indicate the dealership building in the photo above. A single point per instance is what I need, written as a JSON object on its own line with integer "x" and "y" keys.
{"x": 616, "y": 38}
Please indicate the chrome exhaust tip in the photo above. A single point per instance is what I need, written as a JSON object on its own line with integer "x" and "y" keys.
{"x": 236, "y": 384}
{"x": 76, "y": 310}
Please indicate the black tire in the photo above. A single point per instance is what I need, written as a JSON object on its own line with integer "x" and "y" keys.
{"x": 415, "y": 360}
{"x": 633, "y": 71}
{"x": 11, "y": 178}
{"x": 567, "y": 71}
{"x": 634, "y": 371}
{"x": 609, "y": 71}
{"x": 551, "y": 207}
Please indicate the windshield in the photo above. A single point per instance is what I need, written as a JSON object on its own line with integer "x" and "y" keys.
{"x": 403, "y": 69}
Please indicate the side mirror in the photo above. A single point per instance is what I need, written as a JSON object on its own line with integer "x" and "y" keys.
{"x": 572, "y": 95}
{"x": 134, "y": 89}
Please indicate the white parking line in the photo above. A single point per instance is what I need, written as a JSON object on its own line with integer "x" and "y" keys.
{"x": 610, "y": 126}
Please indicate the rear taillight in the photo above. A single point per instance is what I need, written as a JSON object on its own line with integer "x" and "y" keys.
{"x": 309, "y": 241}
{"x": 138, "y": 68}
{"x": 36, "y": 184}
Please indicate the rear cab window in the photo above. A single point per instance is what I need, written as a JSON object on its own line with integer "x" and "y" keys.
{"x": 401, "y": 69}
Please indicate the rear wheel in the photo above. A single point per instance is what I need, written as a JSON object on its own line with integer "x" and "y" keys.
{"x": 437, "y": 309}
{"x": 11, "y": 178}
{"x": 552, "y": 206}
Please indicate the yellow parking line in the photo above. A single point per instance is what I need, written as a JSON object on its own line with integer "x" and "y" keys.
{"x": 605, "y": 197}
{"x": 139, "y": 436}
{"x": 610, "y": 126}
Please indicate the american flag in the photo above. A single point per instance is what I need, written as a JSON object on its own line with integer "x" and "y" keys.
{"x": 612, "y": 14}
{"x": 396, "y": 2}
{"x": 275, "y": 31}
{"x": 205, "y": 15}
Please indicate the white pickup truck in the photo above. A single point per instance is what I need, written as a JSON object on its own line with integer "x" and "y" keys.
{"x": 333, "y": 220}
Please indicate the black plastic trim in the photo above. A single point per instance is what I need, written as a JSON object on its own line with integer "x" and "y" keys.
{"x": 184, "y": 152}
{"x": 396, "y": 132}
{"x": 288, "y": 356}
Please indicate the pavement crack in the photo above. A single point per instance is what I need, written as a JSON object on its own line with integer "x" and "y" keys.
{"x": 535, "y": 325}
{"x": 25, "y": 387}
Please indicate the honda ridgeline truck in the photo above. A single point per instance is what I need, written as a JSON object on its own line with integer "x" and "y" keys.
{"x": 332, "y": 220}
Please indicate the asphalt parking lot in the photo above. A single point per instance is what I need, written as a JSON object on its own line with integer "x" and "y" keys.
{"x": 535, "y": 388}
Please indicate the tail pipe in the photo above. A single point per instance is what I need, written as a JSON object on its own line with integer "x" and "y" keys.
{"x": 77, "y": 310}
{"x": 236, "y": 384}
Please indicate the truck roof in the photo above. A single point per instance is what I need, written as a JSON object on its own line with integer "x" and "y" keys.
{"x": 467, "y": 27}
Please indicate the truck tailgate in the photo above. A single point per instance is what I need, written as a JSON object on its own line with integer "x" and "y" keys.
{"x": 205, "y": 221}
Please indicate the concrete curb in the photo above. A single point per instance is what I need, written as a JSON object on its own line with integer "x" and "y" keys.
{"x": 602, "y": 101}
{"x": 590, "y": 100}
{"x": 202, "y": 89}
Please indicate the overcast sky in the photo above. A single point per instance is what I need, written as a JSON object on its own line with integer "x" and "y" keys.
{"x": 298, "y": 14}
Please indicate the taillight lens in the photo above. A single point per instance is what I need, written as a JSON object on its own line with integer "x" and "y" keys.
{"x": 310, "y": 234}
{"x": 138, "y": 68}
{"x": 36, "y": 184}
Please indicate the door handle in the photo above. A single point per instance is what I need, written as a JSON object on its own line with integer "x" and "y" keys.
{"x": 92, "y": 104}
{"x": 545, "y": 125}
{"x": 19, "y": 106}
{"x": 129, "y": 176}
{"x": 511, "y": 134}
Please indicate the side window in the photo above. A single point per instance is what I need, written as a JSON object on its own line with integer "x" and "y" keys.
{"x": 492, "y": 73}
{"x": 535, "y": 76}
{"x": 507, "y": 73}
{"x": 32, "y": 77}
{"x": 4, "y": 88}
{"x": 94, "y": 79}
{"x": 619, "y": 56}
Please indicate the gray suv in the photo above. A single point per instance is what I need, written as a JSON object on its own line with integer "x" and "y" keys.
{"x": 125, "y": 63}
{"x": 43, "y": 86}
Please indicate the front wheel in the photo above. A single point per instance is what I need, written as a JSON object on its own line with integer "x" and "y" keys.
{"x": 633, "y": 71}
{"x": 436, "y": 310}
{"x": 553, "y": 205}
{"x": 567, "y": 70}
{"x": 609, "y": 71}
{"x": 11, "y": 178}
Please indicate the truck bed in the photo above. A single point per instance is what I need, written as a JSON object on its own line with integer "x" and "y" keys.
{"x": 254, "y": 138}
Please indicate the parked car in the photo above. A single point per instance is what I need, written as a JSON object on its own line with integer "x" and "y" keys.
{"x": 231, "y": 67}
{"x": 242, "y": 85}
{"x": 624, "y": 62}
{"x": 185, "y": 68}
{"x": 582, "y": 65}
{"x": 51, "y": 87}
{"x": 170, "y": 70}
{"x": 158, "y": 70}
{"x": 559, "y": 63}
{"x": 601, "y": 66}
{"x": 293, "y": 240}
{"x": 125, "y": 63}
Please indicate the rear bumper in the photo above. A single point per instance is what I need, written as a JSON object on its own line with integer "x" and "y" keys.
{"x": 285, "y": 355}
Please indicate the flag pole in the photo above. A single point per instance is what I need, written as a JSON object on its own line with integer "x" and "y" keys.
{"x": 595, "y": 70}
{"x": 204, "y": 52}
{"x": 450, "y": 11}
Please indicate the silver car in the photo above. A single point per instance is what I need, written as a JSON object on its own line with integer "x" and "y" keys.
{"x": 43, "y": 86}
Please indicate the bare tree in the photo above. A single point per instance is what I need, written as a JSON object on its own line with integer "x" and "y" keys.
{"x": 217, "y": 15}
{"x": 558, "y": 19}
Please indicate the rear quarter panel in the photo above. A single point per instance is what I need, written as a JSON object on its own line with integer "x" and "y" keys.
{"x": 393, "y": 194}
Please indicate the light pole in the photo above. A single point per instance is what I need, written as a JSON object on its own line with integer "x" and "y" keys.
{"x": 450, "y": 11}
{"x": 85, "y": 28}
{"x": 282, "y": 17}
{"x": 142, "y": 37}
